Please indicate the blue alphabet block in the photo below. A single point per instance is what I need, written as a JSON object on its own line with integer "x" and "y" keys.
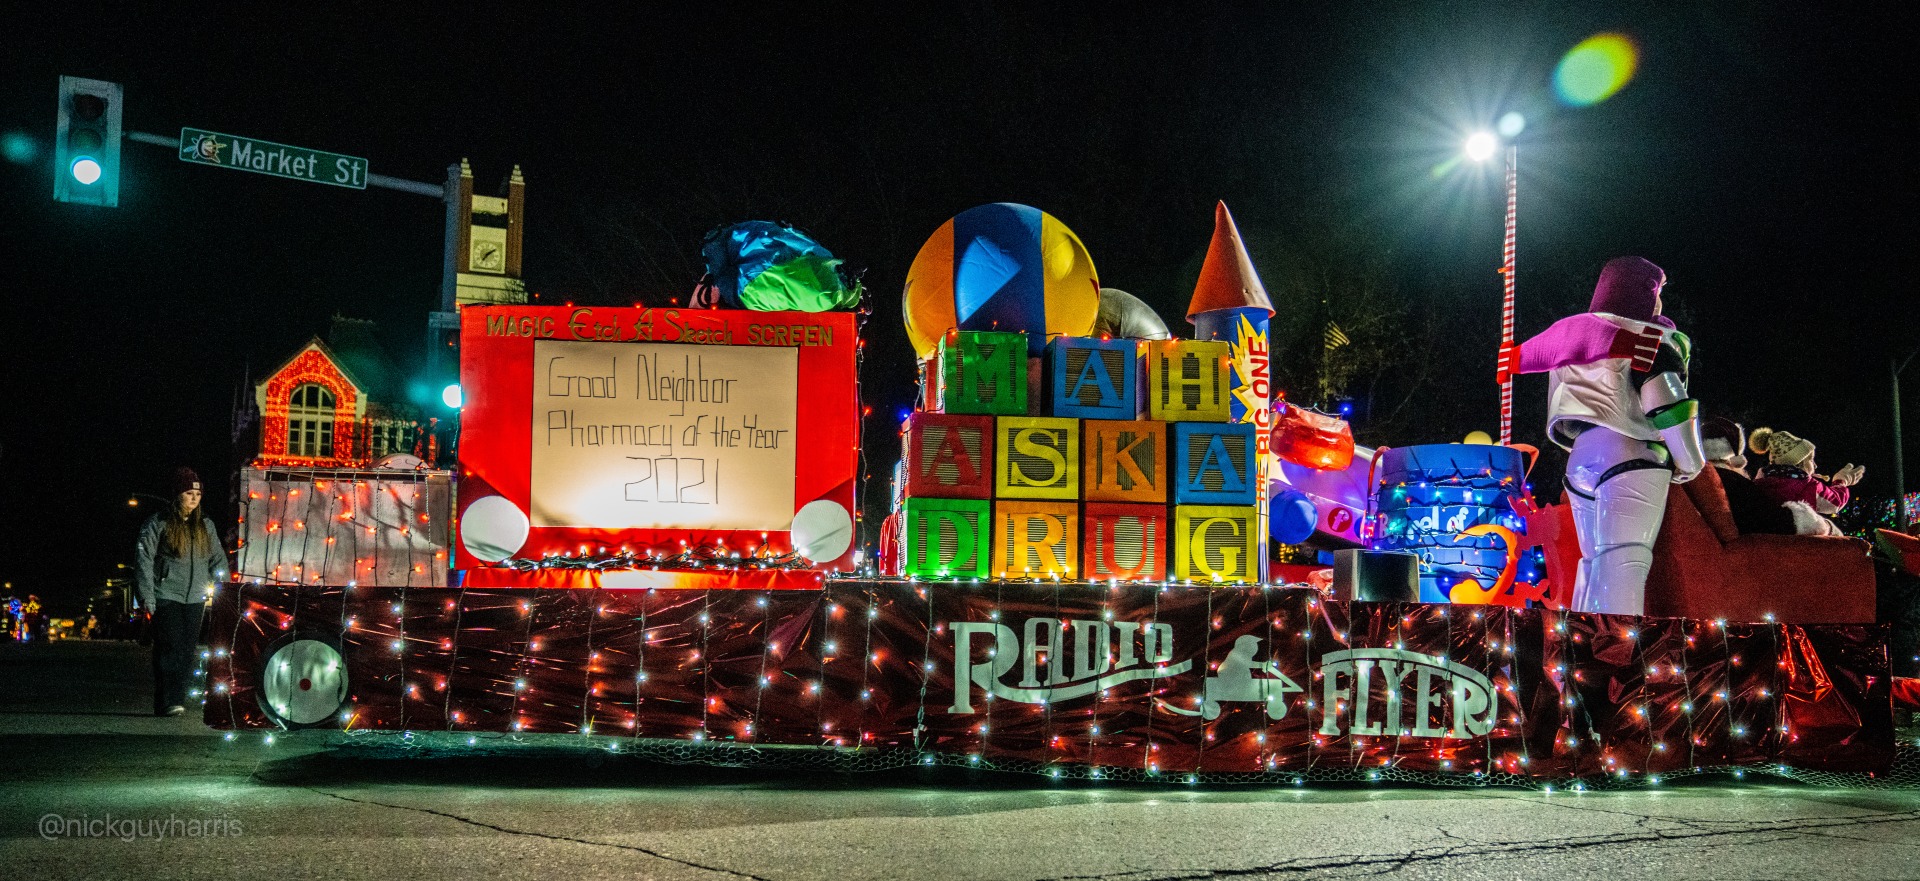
{"x": 1214, "y": 463}
{"x": 1094, "y": 378}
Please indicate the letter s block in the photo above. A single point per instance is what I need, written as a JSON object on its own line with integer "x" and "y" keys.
{"x": 1189, "y": 381}
{"x": 1036, "y": 539}
{"x": 1037, "y": 457}
{"x": 1125, "y": 541}
{"x": 1124, "y": 461}
{"x": 948, "y": 456}
{"x": 1214, "y": 464}
{"x": 1217, "y": 543}
{"x": 1094, "y": 378}
{"x": 945, "y": 538}
{"x": 982, "y": 372}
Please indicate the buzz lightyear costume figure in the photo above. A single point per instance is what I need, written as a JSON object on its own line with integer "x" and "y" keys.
{"x": 1617, "y": 402}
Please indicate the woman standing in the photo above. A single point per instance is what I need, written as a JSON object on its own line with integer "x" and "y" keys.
{"x": 179, "y": 557}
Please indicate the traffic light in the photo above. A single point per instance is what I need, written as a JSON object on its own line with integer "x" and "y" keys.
{"x": 86, "y": 143}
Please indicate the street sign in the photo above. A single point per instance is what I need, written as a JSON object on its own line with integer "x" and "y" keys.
{"x": 266, "y": 157}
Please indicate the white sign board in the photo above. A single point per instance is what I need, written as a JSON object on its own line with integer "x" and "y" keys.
{"x": 663, "y": 435}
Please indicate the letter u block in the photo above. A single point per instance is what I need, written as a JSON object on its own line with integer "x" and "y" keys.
{"x": 1214, "y": 464}
{"x": 948, "y": 456}
{"x": 1094, "y": 378}
{"x": 1125, "y": 541}
{"x": 1217, "y": 543}
{"x": 983, "y": 372}
{"x": 1189, "y": 381}
{"x": 1124, "y": 461}
{"x": 1037, "y": 457}
{"x": 1036, "y": 539}
{"x": 945, "y": 538}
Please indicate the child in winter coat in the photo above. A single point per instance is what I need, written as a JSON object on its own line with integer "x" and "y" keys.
{"x": 1790, "y": 477}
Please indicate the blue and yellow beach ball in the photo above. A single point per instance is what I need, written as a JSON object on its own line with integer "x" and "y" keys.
{"x": 1001, "y": 267}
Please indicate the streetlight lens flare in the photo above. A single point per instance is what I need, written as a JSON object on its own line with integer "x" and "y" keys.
{"x": 1481, "y": 146}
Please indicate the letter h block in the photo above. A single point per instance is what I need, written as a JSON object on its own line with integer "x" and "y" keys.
{"x": 945, "y": 538}
{"x": 1217, "y": 543}
{"x": 1094, "y": 378}
{"x": 1189, "y": 381}
{"x": 1126, "y": 542}
{"x": 982, "y": 372}
{"x": 1124, "y": 461}
{"x": 949, "y": 456}
{"x": 1037, "y": 457}
{"x": 1214, "y": 464}
{"x": 1036, "y": 539}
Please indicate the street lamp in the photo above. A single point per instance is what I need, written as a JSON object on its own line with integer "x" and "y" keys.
{"x": 1480, "y": 147}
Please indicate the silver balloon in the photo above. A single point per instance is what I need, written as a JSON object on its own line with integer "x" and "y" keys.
{"x": 1125, "y": 316}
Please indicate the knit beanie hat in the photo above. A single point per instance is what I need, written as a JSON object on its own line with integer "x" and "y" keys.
{"x": 1721, "y": 438}
{"x": 184, "y": 479}
{"x": 1782, "y": 448}
{"x": 1628, "y": 287}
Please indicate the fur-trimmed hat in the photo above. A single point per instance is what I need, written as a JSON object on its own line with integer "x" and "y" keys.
{"x": 1782, "y": 448}
{"x": 1721, "y": 438}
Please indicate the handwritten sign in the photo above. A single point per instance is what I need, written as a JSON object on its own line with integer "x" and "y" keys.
{"x": 663, "y": 436}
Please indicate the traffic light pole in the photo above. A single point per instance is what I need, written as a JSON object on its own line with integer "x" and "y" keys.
{"x": 373, "y": 180}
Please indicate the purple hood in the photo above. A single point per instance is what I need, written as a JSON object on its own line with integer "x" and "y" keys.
{"x": 1629, "y": 286}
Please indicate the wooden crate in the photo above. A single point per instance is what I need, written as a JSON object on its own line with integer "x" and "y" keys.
{"x": 982, "y": 372}
{"x": 1215, "y": 464}
{"x": 945, "y": 538}
{"x": 1217, "y": 543}
{"x": 1092, "y": 378}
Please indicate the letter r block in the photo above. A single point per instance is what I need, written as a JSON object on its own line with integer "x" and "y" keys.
{"x": 1124, "y": 461}
{"x": 948, "y": 456}
{"x": 1189, "y": 381}
{"x": 945, "y": 538}
{"x": 1037, "y": 457}
{"x": 1126, "y": 542}
{"x": 1214, "y": 464}
{"x": 1094, "y": 378}
{"x": 1217, "y": 543}
{"x": 1036, "y": 539}
{"x": 982, "y": 372}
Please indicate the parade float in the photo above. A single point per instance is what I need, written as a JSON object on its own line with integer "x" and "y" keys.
{"x": 657, "y": 551}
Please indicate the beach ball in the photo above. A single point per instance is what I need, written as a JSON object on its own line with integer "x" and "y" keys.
{"x": 1291, "y": 517}
{"x": 1001, "y": 267}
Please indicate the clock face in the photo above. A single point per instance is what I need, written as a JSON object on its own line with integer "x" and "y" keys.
{"x": 488, "y": 255}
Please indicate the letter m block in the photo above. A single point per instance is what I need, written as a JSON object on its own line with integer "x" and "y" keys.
{"x": 1125, "y": 541}
{"x": 1189, "y": 381}
{"x": 983, "y": 372}
{"x": 949, "y": 456}
{"x": 1036, "y": 539}
{"x": 1094, "y": 378}
{"x": 945, "y": 538}
{"x": 1214, "y": 464}
{"x": 1217, "y": 543}
{"x": 1036, "y": 457}
{"x": 1124, "y": 461}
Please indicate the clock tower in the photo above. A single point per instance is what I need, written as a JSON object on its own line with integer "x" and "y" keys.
{"x": 482, "y": 264}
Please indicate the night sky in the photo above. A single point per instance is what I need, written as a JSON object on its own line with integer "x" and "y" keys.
{"x": 1760, "y": 156}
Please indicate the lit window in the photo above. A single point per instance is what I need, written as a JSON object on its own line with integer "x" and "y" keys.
{"x": 310, "y": 422}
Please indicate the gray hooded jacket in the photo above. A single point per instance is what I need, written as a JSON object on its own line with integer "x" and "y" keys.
{"x": 175, "y": 579}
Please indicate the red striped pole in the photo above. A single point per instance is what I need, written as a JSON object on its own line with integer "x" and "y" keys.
{"x": 1506, "y": 308}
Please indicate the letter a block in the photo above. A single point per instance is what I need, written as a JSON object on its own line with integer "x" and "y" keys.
{"x": 1036, "y": 539}
{"x": 1094, "y": 378}
{"x": 1213, "y": 464}
{"x": 949, "y": 456}
{"x": 1188, "y": 381}
{"x": 1217, "y": 543}
{"x": 1124, "y": 461}
{"x": 983, "y": 372}
{"x": 946, "y": 538}
{"x": 1125, "y": 541}
{"x": 1037, "y": 457}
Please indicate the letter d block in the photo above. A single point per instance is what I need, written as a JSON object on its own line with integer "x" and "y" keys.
{"x": 983, "y": 372}
{"x": 1036, "y": 539}
{"x": 1094, "y": 378}
{"x": 1213, "y": 464}
{"x": 1217, "y": 543}
{"x": 1188, "y": 381}
{"x": 948, "y": 456}
{"x": 1037, "y": 457}
{"x": 946, "y": 538}
{"x": 1124, "y": 461}
{"x": 1125, "y": 541}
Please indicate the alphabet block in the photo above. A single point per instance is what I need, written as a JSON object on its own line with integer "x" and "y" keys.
{"x": 1189, "y": 381}
{"x": 1124, "y": 461}
{"x": 983, "y": 372}
{"x": 948, "y": 456}
{"x": 1094, "y": 378}
{"x": 1037, "y": 457}
{"x": 1125, "y": 541}
{"x": 1036, "y": 539}
{"x": 945, "y": 538}
{"x": 1214, "y": 464}
{"x": 1217, "y": 543}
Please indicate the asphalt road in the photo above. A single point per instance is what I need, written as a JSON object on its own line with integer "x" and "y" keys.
{"x": 76, "y": 746}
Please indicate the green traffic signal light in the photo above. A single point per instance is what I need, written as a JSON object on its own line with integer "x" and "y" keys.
{"x": 86, "y": 143}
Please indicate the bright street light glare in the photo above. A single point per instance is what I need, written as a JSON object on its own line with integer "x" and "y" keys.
{"x": 86, "y": 169}
{"x": 451, "y": 396}
{"x": 1481, "y": 146}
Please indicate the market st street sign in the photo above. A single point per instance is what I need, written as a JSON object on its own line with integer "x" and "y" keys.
{"x": 267, "y": 157}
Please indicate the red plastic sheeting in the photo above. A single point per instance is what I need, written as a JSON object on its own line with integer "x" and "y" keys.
{"x": 1186, "y": 679}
